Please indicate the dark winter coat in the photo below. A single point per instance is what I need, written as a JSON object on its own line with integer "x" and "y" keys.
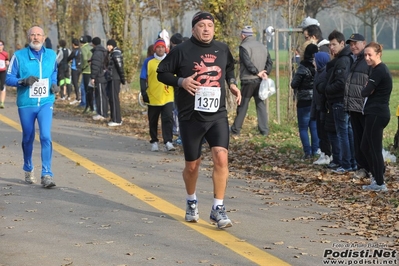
{"x": 357, "y": 80}
{"x": 98, "y": 61}
{"x": 337, "y": 74}
{"x": 115, "y": 69}
{"x": 302, "y": 82}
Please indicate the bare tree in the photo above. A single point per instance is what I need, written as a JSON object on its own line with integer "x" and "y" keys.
{"x": 393, "y": 24}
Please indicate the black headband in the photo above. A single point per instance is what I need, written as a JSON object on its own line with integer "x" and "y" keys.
{"x": 202, "y": 16}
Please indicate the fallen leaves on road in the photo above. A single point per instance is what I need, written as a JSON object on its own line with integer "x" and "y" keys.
{"x": 367, "y": 215}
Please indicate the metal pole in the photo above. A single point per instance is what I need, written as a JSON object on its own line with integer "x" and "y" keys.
{"x": 277, "y": 76}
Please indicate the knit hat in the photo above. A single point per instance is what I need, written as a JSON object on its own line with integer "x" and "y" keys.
{"x": 159, "y": 42}
{"x": 321, "y": 58}
{"x": 88, "y": 38}
{"x": 96, "y": 41}
{"x": 309, "y": 21}
{"x": 176, "y": 38}
{"x": 201, "y": 16}
{"x": 75, "y": 41}
{"x": 247, "y": 31}
{"x": 111, "y": 42}
{"x": 310, "y": 50}
{"x": 83, "y": 39}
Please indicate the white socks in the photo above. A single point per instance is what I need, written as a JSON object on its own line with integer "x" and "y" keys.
{"x": 192, "y": 197}
{"x": 217, "y": 202}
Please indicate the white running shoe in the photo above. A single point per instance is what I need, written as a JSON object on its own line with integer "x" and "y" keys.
{"x": 154, "y": 146}
{"x": 218, "y": 216}
{"x": 114, "y": 124}
{"x": 192, "y": 211}
{"x": 169, "y": 146}
{"x": 98, "y": 117}
{"x": 74, "y": 102}
{"x": 30, "y": 177}
{"x": 323, "y": 159}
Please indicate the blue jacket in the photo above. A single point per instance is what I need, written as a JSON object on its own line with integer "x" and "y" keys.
{"x": 27, "y": 62}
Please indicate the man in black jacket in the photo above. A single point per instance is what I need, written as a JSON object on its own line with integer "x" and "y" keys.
{"x": 255, "y": 63}
{"x": 337, "y": 74}
{"x": 115, "y": 76}
{"x": 357, "y": 80}
{"x": 97, "y": 77}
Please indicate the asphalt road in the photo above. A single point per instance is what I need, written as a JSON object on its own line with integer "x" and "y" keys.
{"x": 118, "y": 203}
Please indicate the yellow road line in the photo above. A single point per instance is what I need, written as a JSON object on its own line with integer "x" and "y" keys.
{"x": 222, "y": 237}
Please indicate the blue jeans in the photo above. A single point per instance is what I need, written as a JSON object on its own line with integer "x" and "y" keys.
{"x": 82, "y": 94}
{"x": 305, "y": 124}
{"x": 345, "y": 136}
{"x": 44, "y": 116}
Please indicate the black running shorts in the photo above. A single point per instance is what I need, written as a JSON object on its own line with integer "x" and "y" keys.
{"x": 193, "y": 132}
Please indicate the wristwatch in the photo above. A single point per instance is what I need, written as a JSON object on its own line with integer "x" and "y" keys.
{"x": 233, "y": 81}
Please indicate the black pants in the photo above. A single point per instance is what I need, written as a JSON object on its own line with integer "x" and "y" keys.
{"x": 249, "y": 90}
{"x": 324, "y": 141}
{"x": 371, "y": 145}
{"x": 89, "y": 92}
{"x": 113, "y": 89}
{"x": 166, "y": 112}
{"x": 75, "y": 83}
{"x": 2, "y": 80}
{"x": 101, "y": 99}
{"x": 357, "y": 121}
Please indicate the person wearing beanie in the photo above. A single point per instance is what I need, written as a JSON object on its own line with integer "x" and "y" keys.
{"x": 302, "y": 83}
{"x": 159, "y": 97}
{"x": 97, "y": 77}
{"x": 255, "y": 65}
{"x": 200, "y": 68}
{"x": 76, "y": 67}
{"x": 115, "y": 76}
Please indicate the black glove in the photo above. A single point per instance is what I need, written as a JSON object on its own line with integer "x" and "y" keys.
{"x": 55, "y": 89}
{"x": 28, "y": 81}
{"x": 145, "y": 97}
{"x": 123, "y": 81}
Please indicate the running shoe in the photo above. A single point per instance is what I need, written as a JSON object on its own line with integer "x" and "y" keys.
{"x": 30, "y": 177}
{"x": 192, "y": 211}
{"x": 218, "y": 216}
{"x": 47, "y": 181}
